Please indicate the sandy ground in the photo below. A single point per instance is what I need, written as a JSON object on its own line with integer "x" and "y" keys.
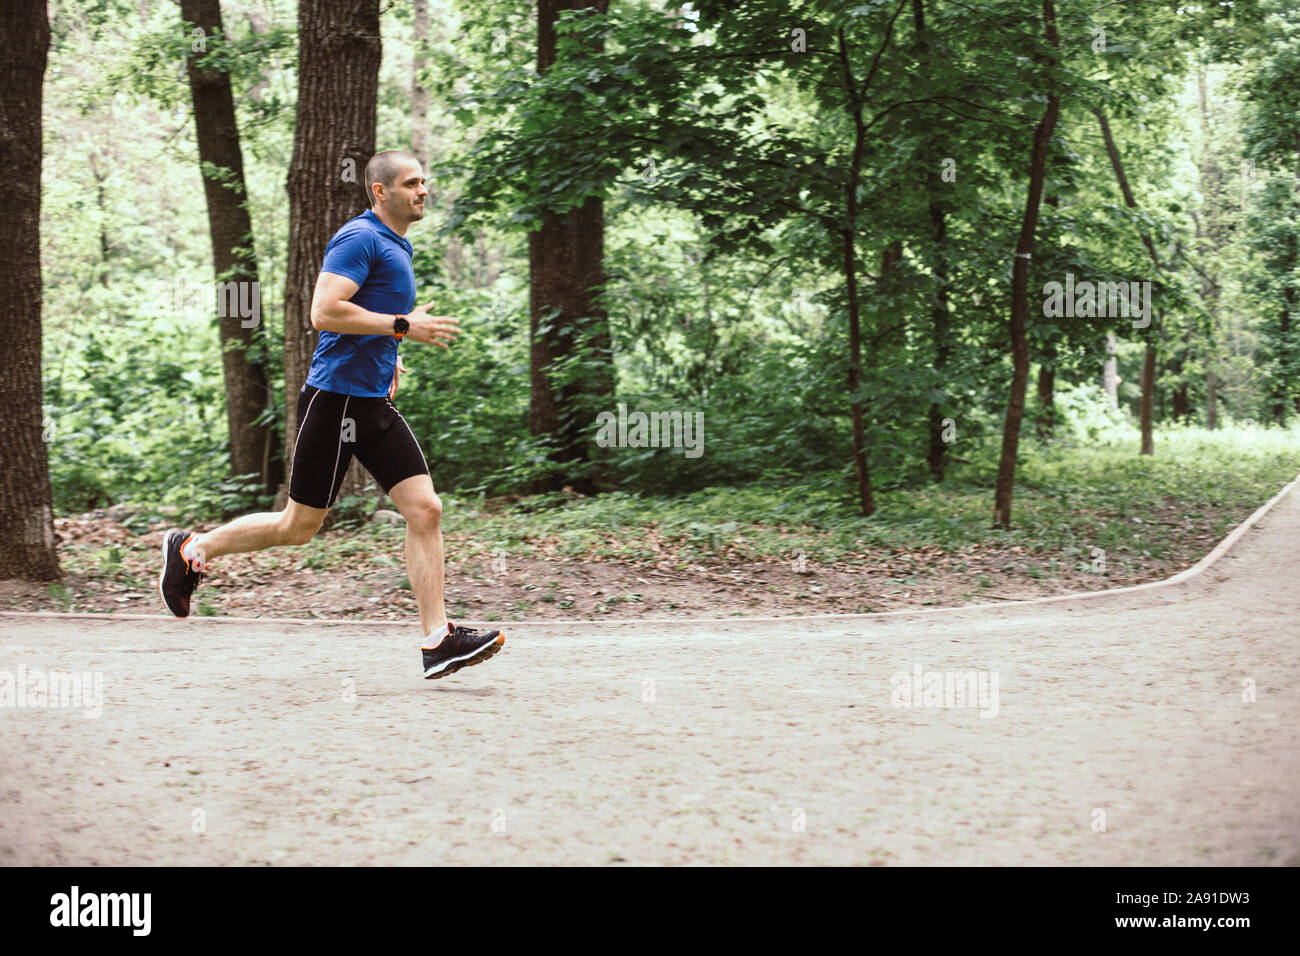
{"x": 1124, "y": 733}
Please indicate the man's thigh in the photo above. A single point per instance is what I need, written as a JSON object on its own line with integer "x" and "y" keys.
{"x": 393, "y": 456}
{"x": 323, "y": 449}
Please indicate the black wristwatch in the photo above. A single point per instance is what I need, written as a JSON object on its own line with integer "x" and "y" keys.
{"x": 400, "y": 326}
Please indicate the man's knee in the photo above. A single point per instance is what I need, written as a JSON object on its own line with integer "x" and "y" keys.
{"x": 426, "y": 516}
{"x": 298, "y": 526}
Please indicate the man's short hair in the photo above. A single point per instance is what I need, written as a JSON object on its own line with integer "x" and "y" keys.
{"x": 383, "y": 168}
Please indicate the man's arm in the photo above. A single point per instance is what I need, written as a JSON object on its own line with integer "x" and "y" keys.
{"x": 332, "y": 312}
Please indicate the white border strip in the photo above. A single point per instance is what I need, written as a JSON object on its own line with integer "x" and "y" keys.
{"x": 1207, "y": 562}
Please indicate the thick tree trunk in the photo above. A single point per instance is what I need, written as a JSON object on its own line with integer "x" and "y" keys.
{"x": 253, "y": 448}
{"x": 567, "y": 276}
{"x": 566, "y": 259}
{"x": 334, "y": 137}
{"x": 26, "y": 502}
{"x": 1020, "y": 293}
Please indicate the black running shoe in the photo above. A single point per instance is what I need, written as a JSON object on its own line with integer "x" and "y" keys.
{"x": 463, "y": 647}
{"x": 178, "y": 579}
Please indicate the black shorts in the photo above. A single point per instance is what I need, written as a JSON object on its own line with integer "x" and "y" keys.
{"x": 332, "y": 428}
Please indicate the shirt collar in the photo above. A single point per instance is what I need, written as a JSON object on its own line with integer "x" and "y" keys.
{"x": 380, "y": 223}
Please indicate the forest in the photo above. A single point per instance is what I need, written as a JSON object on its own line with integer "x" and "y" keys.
{"x": 764, "y": 304}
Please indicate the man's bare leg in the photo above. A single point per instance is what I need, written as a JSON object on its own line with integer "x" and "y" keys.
{"x": 422, "y": 509}
{"x": 296, "y": 524}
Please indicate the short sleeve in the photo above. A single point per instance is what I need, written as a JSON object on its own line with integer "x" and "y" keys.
{"x": 349, "y": 255}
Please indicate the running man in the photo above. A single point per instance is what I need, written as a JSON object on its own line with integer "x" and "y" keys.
{"x": 362, "y": 307}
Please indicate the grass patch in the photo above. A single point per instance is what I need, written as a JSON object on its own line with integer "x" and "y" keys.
{"x": 1077, "y": 507}
{"x": 1069, "y": 500}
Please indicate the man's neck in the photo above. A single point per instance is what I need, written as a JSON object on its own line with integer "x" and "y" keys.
{"x": 380, "y": 213}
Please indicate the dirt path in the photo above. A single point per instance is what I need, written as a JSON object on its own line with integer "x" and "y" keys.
{"x": 734, "y": 742}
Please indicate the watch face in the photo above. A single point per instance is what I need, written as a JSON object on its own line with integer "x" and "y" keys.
{"x": 401, "y": 325}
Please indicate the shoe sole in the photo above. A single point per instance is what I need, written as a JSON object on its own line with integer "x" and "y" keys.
{"x": 162, "y": 575}
{"x": 477, "y": 658}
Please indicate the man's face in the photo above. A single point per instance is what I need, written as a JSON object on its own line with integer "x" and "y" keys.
{"x": 405, "y": 200}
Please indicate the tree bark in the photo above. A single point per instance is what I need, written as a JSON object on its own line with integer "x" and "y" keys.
{"x": 253, "y": 448}
{"x": 1045, "y": 416}
{"x": 334, "y": 137}
{"x": 1020, "y": 292}
{"x": 567, "y": 276}
{"x": 1045, "y": 422}
{"x": 1148, "y": 392}
{"x": 26, "y": 501}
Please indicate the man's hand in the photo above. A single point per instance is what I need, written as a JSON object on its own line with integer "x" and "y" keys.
{"x": 392, "y": 389}
{"x": 432, "y": 329}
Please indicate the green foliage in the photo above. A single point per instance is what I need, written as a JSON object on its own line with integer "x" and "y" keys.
{"x": 724, "y": 158}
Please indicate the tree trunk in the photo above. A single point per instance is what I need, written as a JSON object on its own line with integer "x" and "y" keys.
{"x": 1020, "y": 292}
{"x": 1045, "y": 422}
{"x": 334, "y": 137}
{"x": 939, "y": 312}
{"x": 26, "y": 502}
{"x": 1181, "y": 399}
{"x": 253, "y": 448}
{"x": 1280, "y": 383}
{"x": 1110, "y": 372}
{"x": 567, "y": 275}
{"x": 1045, "y": 415}
{"x": 1211, "y": 401}
{"x": 866, "y": 500}
{"x": 942, "y": 337}
{"x": 1211, "y": 177}
{"x": 1148, "y": 368}
{"x": 1147, "y": 403}
{"x": 893, "y": 320}
{"x": 420, "y": 95}
{"x": 100, "y": 175}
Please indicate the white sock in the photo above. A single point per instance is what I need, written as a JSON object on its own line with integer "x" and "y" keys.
{"x": 434, "y": 638}
{"x": 192, "y": 554}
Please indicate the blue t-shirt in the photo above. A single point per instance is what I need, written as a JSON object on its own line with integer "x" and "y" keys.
{"x": 379, "y": 261}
